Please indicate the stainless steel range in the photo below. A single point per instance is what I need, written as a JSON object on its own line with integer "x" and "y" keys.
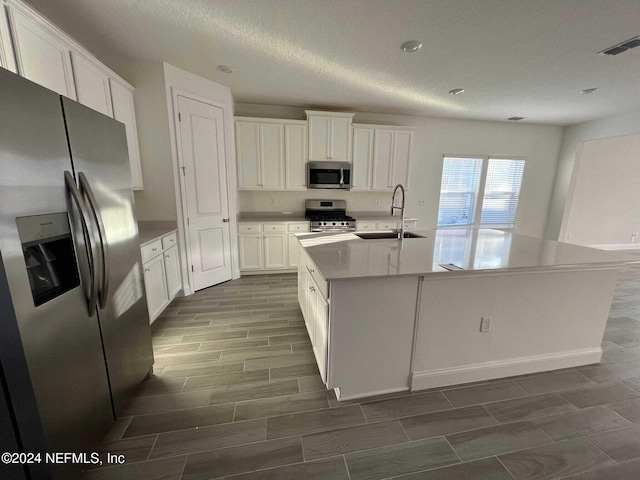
{"x": 329, "y": 216}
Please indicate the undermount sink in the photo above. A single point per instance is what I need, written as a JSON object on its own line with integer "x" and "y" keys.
{"x": 382, "y": 235}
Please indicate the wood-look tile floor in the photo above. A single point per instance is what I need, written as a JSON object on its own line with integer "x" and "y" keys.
{"x": 236, "y": 394}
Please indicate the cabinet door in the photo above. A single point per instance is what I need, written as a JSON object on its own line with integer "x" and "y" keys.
{"x": 92, "y": 84}
{"x": 295, "y": 155}
{"x": 302, "y": 284}
{"x": 275, "y": 250}
{"x": 271, "y": 156}
{"x": 321, "y": 334}
{"x": 155, "y": 285}
{"x": 362, "y": 158}
{"x": 248, "y": 154}
{"x": 319, "y": 137}
{"x": 293, "y": 251}
{"x": 124, "y": 111}
{"x": 41, "y": 56}
{"x": 382, "y": 155}
{"x": 310, "y": 319}
{"x": 401, "y": 158}
{"x": 363, "y": 226}
{"x": 250, "y": 252}
{"x": 172, "y": 269}
{"x": 340, "y": 139}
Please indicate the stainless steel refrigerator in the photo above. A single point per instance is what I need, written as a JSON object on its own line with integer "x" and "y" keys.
{"x": 74, "y": 330}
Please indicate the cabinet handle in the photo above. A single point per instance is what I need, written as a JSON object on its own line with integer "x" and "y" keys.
{"x": 154, "y": 249}
{"x": 312, "y": 289}
{"x": 225, "y": 220}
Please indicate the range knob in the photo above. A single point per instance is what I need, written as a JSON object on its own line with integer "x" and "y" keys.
{"x": 334, "y": 223}
{"x": 343, "y": 223}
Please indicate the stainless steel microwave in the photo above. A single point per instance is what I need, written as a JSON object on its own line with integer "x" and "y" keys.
{"x": 335, "y": 175}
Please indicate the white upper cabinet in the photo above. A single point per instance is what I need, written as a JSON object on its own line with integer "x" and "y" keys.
{"x": 271, "y": 154}
{"x": 381, "y": 157}
{"x": 362, "y": 158}
{"x": 92, "y": 84}
{"x": 295, "y": 155}
{"x": 124, "y": 111}
{"x": 329, "y": 136}
{"x": 41, "y": 54}
{"x": 47, "y": 56}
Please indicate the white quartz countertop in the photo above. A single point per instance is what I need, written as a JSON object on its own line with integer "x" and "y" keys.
{"x": 345, "y": 255}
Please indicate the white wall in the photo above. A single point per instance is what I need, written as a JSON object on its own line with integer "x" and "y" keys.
{"x": 624, "y": 124}
{"x": 434, "y": 137}
{"x": 603, "y": 206}
{"x": 156, "y": 201}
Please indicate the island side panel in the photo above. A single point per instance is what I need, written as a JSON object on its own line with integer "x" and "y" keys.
{"x": 539, "y": 321}
{"x": 372, "y": 323}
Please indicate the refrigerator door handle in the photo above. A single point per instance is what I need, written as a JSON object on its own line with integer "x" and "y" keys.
{"x": 93, "y": 260}
{"x": 85, "y": 188}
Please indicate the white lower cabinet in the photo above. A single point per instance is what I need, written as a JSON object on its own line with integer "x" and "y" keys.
{"x": 372, "y": 225}
{"x": 161, "y": 269}
{"x": 275, "y": 250}
{"x": 172, "y": 270}
{"x": 269, "y": 246}
{"x": 155, "y": 285}
{"x": 315, "y": 310}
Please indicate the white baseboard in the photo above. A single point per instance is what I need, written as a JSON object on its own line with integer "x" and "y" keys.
{"x": 186, "y": 290}
{"x": 341, "y": 397}
{"x": 504, "y": 368}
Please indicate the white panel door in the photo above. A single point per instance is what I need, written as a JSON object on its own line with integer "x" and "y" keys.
{"x": 203, "y": 154}
{"x": 319, "y": 137}
{"x": 340, "y": 139}
{"x": 92, "y": 85}
{"x": 275, "y": 250}
{"x": 295, "y": 155}
{"x": 382, "y": 155}
{"x": 41, "y": 57}
{"x": 124, "y": 111}
{"x": 250, "y": 247}
{"x": 401, "y": 158}
{"x": 362, "y": 158}
{"x": 248, "y": 154}
{"x": 272, "y": 156}
{"x": 155, "y": 285}
{"x": 172, "y": 270}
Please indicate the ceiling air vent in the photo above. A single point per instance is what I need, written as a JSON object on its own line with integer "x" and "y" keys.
{"x": 621, "y": 47}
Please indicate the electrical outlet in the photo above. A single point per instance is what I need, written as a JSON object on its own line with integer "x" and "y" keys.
{"x": 634, "y": 237}
{"x": 272, "y": 201}
{"x": 376, "y": 201}
{"x": 485, "y": 324}
{"x": 422, "y": 203}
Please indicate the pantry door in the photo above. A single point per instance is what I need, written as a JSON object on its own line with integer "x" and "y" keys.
{"x": 204, "y": 180}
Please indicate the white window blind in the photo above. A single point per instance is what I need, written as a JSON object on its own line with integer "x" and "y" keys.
{"x": 502, "y": 191}
{"x": 459, "y": 190}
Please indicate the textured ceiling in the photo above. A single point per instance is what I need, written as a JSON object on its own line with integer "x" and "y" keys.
{"x": 525, "y": 58}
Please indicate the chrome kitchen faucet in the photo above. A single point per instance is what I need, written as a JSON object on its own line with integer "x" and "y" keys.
{"x": 400, "y": 231}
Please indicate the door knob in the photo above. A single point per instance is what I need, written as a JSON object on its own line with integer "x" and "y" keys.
{"x": 225, "y": 220}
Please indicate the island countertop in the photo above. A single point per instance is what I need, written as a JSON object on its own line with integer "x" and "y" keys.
{"x": 345, "y": 255}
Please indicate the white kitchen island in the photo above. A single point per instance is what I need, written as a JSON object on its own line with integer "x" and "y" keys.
{"x": 385, "y": 316}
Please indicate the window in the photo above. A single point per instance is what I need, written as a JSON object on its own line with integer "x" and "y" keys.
{"x": 496, "y": 181}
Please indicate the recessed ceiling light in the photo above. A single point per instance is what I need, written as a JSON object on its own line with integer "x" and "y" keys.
{"x": 225, "y": 69}
{"x": 456, "y": 91}
{"x": 411, "y": 46}
{"x": 515, "y": 119}
{"x": 587, "y": 91}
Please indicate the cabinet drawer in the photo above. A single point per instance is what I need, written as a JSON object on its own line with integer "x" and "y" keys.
{"x": 365, "y": 226}
{"x": 298, "y": 227}
{"x": 411, "y": 224}
{"x": 151, "y": 250}
{"x": 387, "y": 225}
{"x": 317, "y": 277}
{"x": 169, "y": 241}
{"x": 274, "y": 227}
{"x": 249, "y": 227}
